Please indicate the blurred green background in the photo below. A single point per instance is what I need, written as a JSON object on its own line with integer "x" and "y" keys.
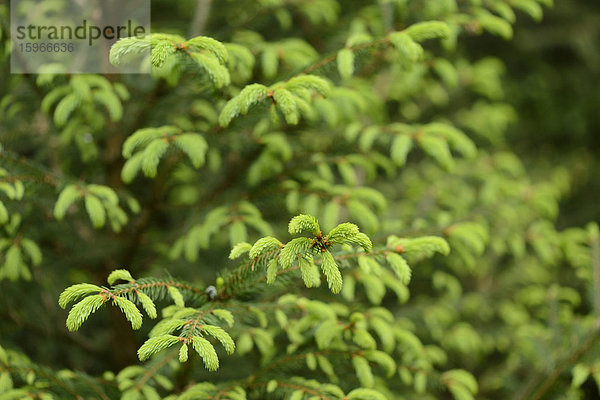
{"x": 553, "y": 81}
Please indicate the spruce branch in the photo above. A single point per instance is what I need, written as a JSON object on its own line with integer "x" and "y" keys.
{"x": 244, "y": 279}
{"x": 418, "y": 32}
{"x": 76, "y": 386}
{"x": 300, "y": 356}
{"x": 155, "y": 368}
{"x": 38, "y": 173}
{"x": 544, "y": 381}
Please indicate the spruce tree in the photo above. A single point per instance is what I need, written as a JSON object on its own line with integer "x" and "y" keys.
{"x": 304, "y": 200}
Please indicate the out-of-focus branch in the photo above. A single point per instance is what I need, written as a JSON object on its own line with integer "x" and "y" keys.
{"x": 200, "y": 17}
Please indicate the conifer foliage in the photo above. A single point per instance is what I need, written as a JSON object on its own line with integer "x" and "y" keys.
{"x": 311, "y": 200}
